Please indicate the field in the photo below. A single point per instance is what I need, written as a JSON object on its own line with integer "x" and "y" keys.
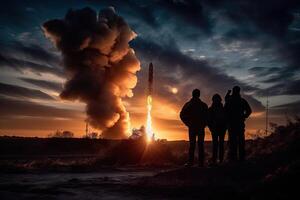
{"x": 56, "y": 168}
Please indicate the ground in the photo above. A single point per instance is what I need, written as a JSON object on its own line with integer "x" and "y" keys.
{"x": 147, "y": 172}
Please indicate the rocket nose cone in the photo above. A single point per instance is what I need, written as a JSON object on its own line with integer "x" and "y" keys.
{"x": 150, "y": 70}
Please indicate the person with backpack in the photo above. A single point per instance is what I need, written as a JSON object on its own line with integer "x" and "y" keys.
{"x": 237, "y": 111}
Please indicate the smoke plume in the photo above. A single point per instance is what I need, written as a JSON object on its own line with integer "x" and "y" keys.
{"x": 99, "y": 63}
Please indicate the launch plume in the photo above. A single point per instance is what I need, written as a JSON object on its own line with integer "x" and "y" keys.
{"x": 100, "y": 65}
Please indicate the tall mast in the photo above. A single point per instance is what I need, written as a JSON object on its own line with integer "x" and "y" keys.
{"x": 86, "y": 128}
{"x": 267, "y": 114}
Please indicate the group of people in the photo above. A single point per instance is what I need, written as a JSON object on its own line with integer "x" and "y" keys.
{"x": 219, "y": 118}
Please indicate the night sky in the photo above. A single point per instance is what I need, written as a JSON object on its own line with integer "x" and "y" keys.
{"x": 207, "y": 44}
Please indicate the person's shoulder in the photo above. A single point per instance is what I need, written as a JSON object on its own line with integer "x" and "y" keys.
{"x": 204, "y": 104}
{"x": 187, "y": 103}
{"x": 244, "y": 100}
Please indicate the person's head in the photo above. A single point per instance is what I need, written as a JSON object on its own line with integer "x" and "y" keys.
{"x": 216, "y": 98}
{"x": 236, "y": 90}
{"x": 196, "y": 93}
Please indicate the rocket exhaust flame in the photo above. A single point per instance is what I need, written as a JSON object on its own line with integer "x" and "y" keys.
{"x": 149, "y": 130}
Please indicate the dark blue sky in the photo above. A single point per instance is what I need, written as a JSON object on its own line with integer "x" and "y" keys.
{"x": 212, "y": 45}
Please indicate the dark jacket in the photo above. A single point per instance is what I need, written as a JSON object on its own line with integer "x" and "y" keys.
{"x": 237, "y": 109}
{"x": 216, "y": 117}
{"x": 194, "y": 114}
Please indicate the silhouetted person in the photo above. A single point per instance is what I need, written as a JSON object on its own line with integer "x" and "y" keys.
{"x": 237, "y": 110}
{"x": 217, "y": 126}
{"x": 194, "y": 116}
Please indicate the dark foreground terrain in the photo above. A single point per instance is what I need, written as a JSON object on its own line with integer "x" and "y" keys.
{"x": 101, "y": 169}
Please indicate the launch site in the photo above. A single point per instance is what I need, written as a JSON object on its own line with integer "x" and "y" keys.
{"x": 164, "y": 99}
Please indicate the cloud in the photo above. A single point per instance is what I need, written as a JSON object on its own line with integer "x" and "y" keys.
{"x": 289, "y": 109}
{"x": 290, "y": 87}
{"x": 16, "y": 108}
{"x": 155, "y": 13}
{"x": 142, "y": 11}
{"x": 40, "y": 126}
{"x": 57, "y": 87}
{"x": 267, "y": 23}
{"x": 268, "y": 16}
{"x": 31, "y": 51}
{"x": 21, "y": 65}
{"x": 190, "y": 12}
{"x": 264, "y": 71}
{"x": 16, "y": 14}
{"x": 188, "y": 73}
{"x": 22, "y": 92}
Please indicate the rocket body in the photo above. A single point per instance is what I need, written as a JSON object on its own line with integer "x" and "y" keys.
{"x": 150, "y": 79}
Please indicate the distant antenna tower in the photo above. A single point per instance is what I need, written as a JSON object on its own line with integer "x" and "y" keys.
{"x": 267, "y": 115}
{"x": 86, "y": 128}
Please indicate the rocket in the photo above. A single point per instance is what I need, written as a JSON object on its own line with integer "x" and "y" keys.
{"x": 150, "y": 79}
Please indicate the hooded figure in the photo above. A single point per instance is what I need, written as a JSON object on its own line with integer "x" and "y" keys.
{"x": 217, "y": 125}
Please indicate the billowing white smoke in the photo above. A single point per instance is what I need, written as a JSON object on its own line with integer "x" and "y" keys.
{"x": 101, "y": 67}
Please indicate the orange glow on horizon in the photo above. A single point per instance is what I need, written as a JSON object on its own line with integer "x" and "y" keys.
{"x": 163, "y": 120}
